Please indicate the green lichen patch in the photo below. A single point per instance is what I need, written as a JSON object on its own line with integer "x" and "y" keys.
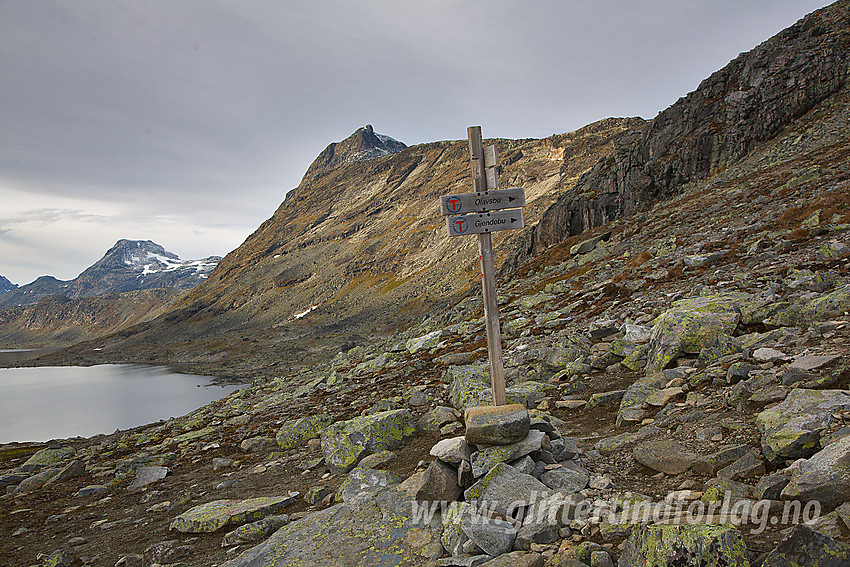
{"x": 213, "y": 516}
{"x": 674, "y": 546}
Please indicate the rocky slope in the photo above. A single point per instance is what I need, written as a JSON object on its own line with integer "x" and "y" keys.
{"x": 129, "y": 265}
{"x": 57, "y": 321}
{"x": 694, "y": 356}
{"x": 6, "y": 285}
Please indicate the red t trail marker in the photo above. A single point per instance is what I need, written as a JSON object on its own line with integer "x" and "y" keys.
{"x": 484, "y": 210}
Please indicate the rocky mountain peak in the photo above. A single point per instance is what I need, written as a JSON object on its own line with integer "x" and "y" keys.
{"x": 6, "y": 285}
{"x": 128, "y": 265}
{"x": 363, "y": 144}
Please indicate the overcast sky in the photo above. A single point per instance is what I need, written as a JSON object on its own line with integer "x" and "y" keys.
{"x": 187, "y": 121}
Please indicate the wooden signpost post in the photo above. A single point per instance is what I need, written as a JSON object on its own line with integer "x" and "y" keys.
{"x": 484, "y": 210}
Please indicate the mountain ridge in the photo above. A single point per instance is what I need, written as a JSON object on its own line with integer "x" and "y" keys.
{"x": 127, "y": 266}
{"x": 6, "y": 285}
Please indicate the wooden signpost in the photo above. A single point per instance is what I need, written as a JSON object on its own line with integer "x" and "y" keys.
{"x": 484, "y": 210}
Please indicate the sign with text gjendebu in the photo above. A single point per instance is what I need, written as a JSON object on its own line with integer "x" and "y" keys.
{"x": 481, "y": 223}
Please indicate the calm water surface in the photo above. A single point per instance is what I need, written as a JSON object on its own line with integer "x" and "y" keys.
{"x": 39, "y": 404}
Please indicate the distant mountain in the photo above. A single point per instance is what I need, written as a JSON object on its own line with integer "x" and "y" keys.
{"x": 6, "y": 285}
{"x": 129, "y": 265}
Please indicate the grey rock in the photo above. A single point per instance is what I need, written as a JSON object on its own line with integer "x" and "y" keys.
{"x": 516, "y": 559}
{"x": 600, "y": 398}
{"x": 825, "y": 477}
{"x": 89, "y": 490}
{"x": 531, "y": 533}
{"x": 147, "y": 475}
{"x": 167, "y": 552}
{"x": 812, "y": 362}
{"x": 770, "y": 486}
{"x": 297, "y": 431}
{"x": 61, "y": 558}
{"x": 525, "y": 465}
{"x": 452, "y": 450}
{"x": 504, "y": 490}
{"x": 364, "y": 482}
{"x": 600, "y": 559}
{"x": 467, "y": 561}
{"x": 565, "y": 479}
{"x": 690, "y": 545}
{"x": 497, "y": 425}
{"x": 377, "y": 460}
{"x": 494, "y": 537}
{"x": 131, "y": 560}
{"x": 746, "y": 467}
{"x": 258, "y": 445}
{"x": 345, "y": 443}
{"x": 765, "y": 354}
{"x": 439, "y": 484}
{"x": 665, "y": 455}
{"x": 793, "y": 375}
{"x": 585, "y": 550}
{"x": 633, "y": 403}
{"x": 255, "y": 532}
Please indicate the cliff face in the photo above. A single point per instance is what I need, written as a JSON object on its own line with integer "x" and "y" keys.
{"x": 748, "y": 102}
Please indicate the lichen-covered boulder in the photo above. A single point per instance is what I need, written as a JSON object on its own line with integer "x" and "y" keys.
{"x": 675, "y": 546}
{"x": 633, "y": 403}
{"x": 792, "y": 429}
{"x": 469, "y": 386}
{"x": 825, "y": 477}
{"x": 805, "y": 547}
{"x": 255, "y": 531}
{"x": 297, "y": 431}
{"x": 488, "y": 457}
{"x": 427, "y": 341}
{"x": 344, "y": 443}
{"x": 386, "y": 529}
{"x": 48, "y": 458}
{"x": 213, "y": 516}
{"x": 690, "y": 326}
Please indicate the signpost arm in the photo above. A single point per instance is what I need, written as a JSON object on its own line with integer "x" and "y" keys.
{"x": 488, "y": 275}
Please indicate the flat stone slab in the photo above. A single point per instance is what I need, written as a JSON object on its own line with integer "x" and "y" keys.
{"x": 812, "y": 362}
{"x": 666, "y": 455}
{"x": 213, "y": 516}
{"x": 496, "y": 425}
{"x": 146, "y": 476}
